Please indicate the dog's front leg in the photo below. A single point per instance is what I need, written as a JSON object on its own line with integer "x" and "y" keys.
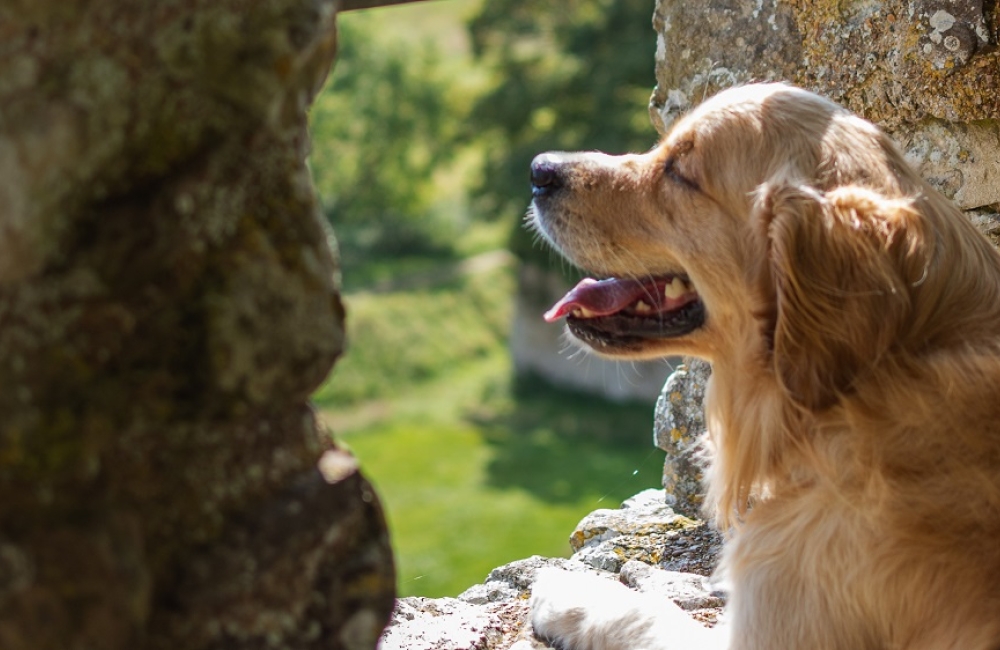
{"x": 576, "y": 611}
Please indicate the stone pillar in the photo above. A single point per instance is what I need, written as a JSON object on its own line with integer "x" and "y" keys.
{"x": 679, "y": 430}
{"x": 167, "y": 304}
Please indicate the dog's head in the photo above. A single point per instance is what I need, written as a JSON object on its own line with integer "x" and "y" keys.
{"x": 768, "y": 222}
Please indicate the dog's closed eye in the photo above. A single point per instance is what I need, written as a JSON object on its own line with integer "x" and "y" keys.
{"x": 671, "y": 167}
{"x": 671, "y": 171}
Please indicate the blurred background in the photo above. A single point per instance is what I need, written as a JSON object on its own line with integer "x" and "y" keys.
{"x": 487, "y": 435}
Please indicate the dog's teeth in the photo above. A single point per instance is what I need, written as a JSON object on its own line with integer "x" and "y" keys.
{"x": 583, "y": 312}
{"x": 642, "y": 307}
{"x": 576, "y": 312}
{"x": 675, "y": 289}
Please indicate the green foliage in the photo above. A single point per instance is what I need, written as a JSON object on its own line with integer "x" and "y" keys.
{"x": 400, "y": 338}
{"x": 567, "y": 75}
{"x": 403, "y": 120}
{"x": 381, "y": 130}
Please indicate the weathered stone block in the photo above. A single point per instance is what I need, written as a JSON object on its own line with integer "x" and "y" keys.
{"x": 167, "y": 304}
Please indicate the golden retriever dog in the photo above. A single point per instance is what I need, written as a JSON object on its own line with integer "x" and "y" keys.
{"x": 852, "y": 318}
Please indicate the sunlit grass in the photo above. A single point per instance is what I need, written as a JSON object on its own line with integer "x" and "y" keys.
{"x": 474, "y": 474}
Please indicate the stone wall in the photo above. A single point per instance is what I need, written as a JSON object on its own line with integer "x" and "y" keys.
{"x": 167, "y": 304}
{"x": 926, "y": 71}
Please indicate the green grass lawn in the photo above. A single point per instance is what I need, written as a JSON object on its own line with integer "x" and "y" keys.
{"x": 475, "y": 468}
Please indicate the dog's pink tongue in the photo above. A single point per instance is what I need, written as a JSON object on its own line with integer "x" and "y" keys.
{"x": 598, "y": 298}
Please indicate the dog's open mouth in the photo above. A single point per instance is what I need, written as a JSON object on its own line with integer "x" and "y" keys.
{"x": 620, "y": 313}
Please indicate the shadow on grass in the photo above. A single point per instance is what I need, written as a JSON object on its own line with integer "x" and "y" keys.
{"x": 562, "y": 446}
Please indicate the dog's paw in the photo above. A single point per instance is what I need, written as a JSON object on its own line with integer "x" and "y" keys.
{"x": 576, "y": 611}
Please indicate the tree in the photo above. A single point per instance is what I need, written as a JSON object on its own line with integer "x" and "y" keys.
{"x": 568, "y": 74}
{"x": 380, "y": 130}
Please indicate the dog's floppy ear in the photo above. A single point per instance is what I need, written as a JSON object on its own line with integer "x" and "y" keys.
{"x": 841, "y": 266}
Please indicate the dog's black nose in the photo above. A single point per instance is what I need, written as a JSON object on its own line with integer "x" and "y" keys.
{"x": 545, "y": 174}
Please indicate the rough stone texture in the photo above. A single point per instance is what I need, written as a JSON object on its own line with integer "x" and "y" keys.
{"x": 446, "y": 624}
{"x": 488, "y": 616}
{"x": 644, "y": 545}
{"x": 544, "y": 349}
{"x": 167, "y": 304}
{"x": 645, "y": 528}
{"x": 692, "y": 592}
{"x": 928, "y": 71}
{"x": 989, "y": 223}
{"x": 679, "y": 429}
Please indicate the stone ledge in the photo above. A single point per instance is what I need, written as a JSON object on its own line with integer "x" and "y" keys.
{"x": 643, "y": 544}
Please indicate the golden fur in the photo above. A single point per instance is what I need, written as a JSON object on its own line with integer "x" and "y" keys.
{"x": 853, "y": 325}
